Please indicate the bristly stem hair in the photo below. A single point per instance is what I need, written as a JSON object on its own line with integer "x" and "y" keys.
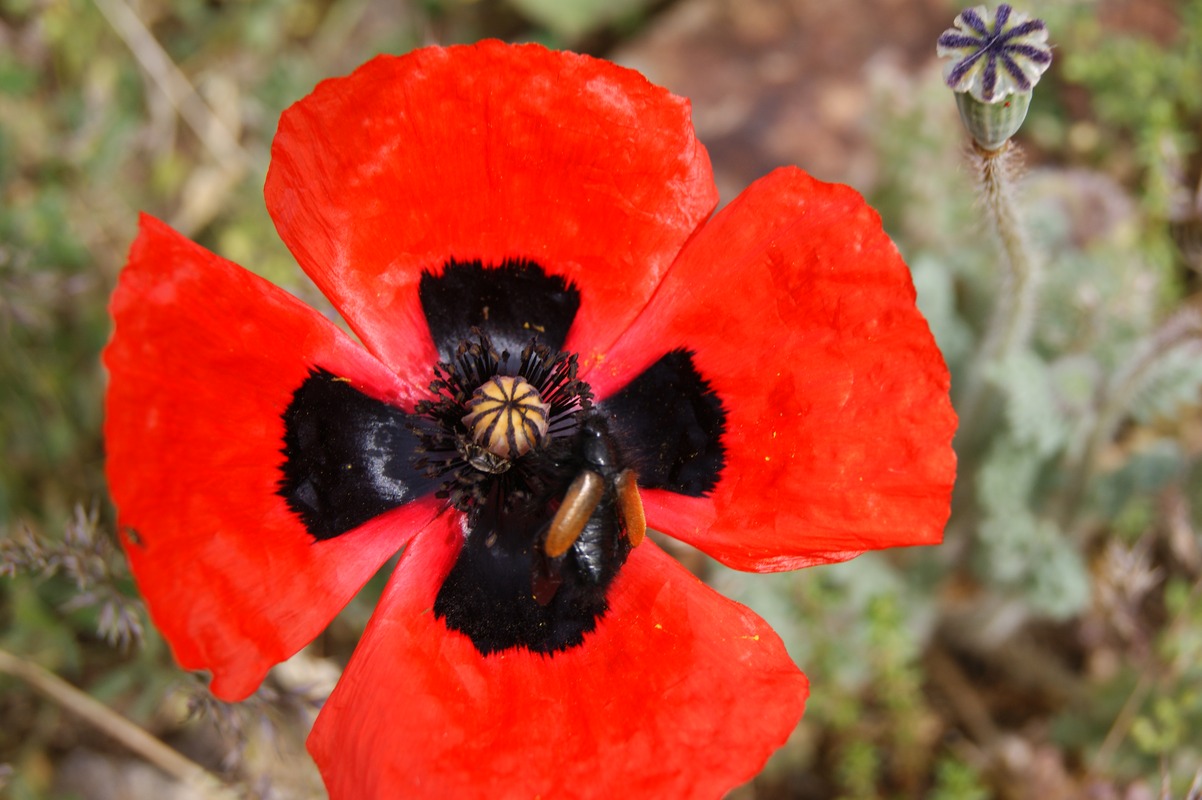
{"x": 1013, "y": 321}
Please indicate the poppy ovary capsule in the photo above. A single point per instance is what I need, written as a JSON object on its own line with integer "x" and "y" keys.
{"x": 507, "y": 417}
{"x": 995, "y": 58}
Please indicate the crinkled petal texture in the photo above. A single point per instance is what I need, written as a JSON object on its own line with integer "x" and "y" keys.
{"x": 801, "y": 316}
{"x": 204, "y": 360}
{"x": 678, "y": 693}
{"x": 485, "y": 152}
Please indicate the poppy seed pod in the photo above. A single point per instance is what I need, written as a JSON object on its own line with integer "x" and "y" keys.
{"x": 992, "y": 124}
{"x": 996, "y": 60}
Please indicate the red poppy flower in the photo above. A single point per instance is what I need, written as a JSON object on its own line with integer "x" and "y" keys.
{"x": 556, "y": 341}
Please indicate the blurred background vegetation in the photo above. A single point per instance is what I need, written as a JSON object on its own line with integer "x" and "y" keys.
{"x": 1052, "y": 647}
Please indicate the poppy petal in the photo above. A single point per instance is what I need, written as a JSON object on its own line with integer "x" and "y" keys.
{"x": 488, "y": 153}
{"x": 679, "y": 692}
{"x": 799, "y": 314}
{"x": 203, "y": 363}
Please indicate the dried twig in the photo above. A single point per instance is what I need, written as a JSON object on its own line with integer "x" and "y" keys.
{"x": 115, "y": 726}
{"x": 172, "y": 82}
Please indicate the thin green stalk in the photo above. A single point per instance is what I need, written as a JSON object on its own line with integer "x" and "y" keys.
{"x": 175, "y": 86}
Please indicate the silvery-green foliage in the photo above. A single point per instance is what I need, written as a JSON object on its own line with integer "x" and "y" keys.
{"x": 1017, "y": 549}
{"x": 1058, "y": 585}
{"x": 1032, "y": 410}
{"x": 1174, "y": 382}
{"x": 1006, "y": 546}
{"x": 1021, "y": 552}
{"x": 1075, "y": 382}
{"x": 1007, "y": 478}
{"x": 1099, "y": 291}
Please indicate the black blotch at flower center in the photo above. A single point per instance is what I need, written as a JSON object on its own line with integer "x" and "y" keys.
{"x": 506, "y": 588}
{"x": 510, "y": 437}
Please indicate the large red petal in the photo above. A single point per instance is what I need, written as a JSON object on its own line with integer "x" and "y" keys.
{"x": 486, "y": 152}
{"x": 678, "y": 693}
{"x": 203, "y": 361}
{"x": 800, "y": 314}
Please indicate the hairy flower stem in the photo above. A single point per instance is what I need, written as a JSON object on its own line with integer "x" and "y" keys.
{"x": 1013, "y": 318}
{"x": 116, "y": 726}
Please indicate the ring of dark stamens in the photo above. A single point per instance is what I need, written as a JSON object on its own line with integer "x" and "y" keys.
{"x": 446, "y": 448}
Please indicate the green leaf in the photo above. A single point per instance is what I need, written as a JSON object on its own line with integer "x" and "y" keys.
{"x": 1175, "y": 382}
{"x": 1032, "y": 556}
{"x": 1007, "y": 478}
{"x": 1031, "y": 408}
